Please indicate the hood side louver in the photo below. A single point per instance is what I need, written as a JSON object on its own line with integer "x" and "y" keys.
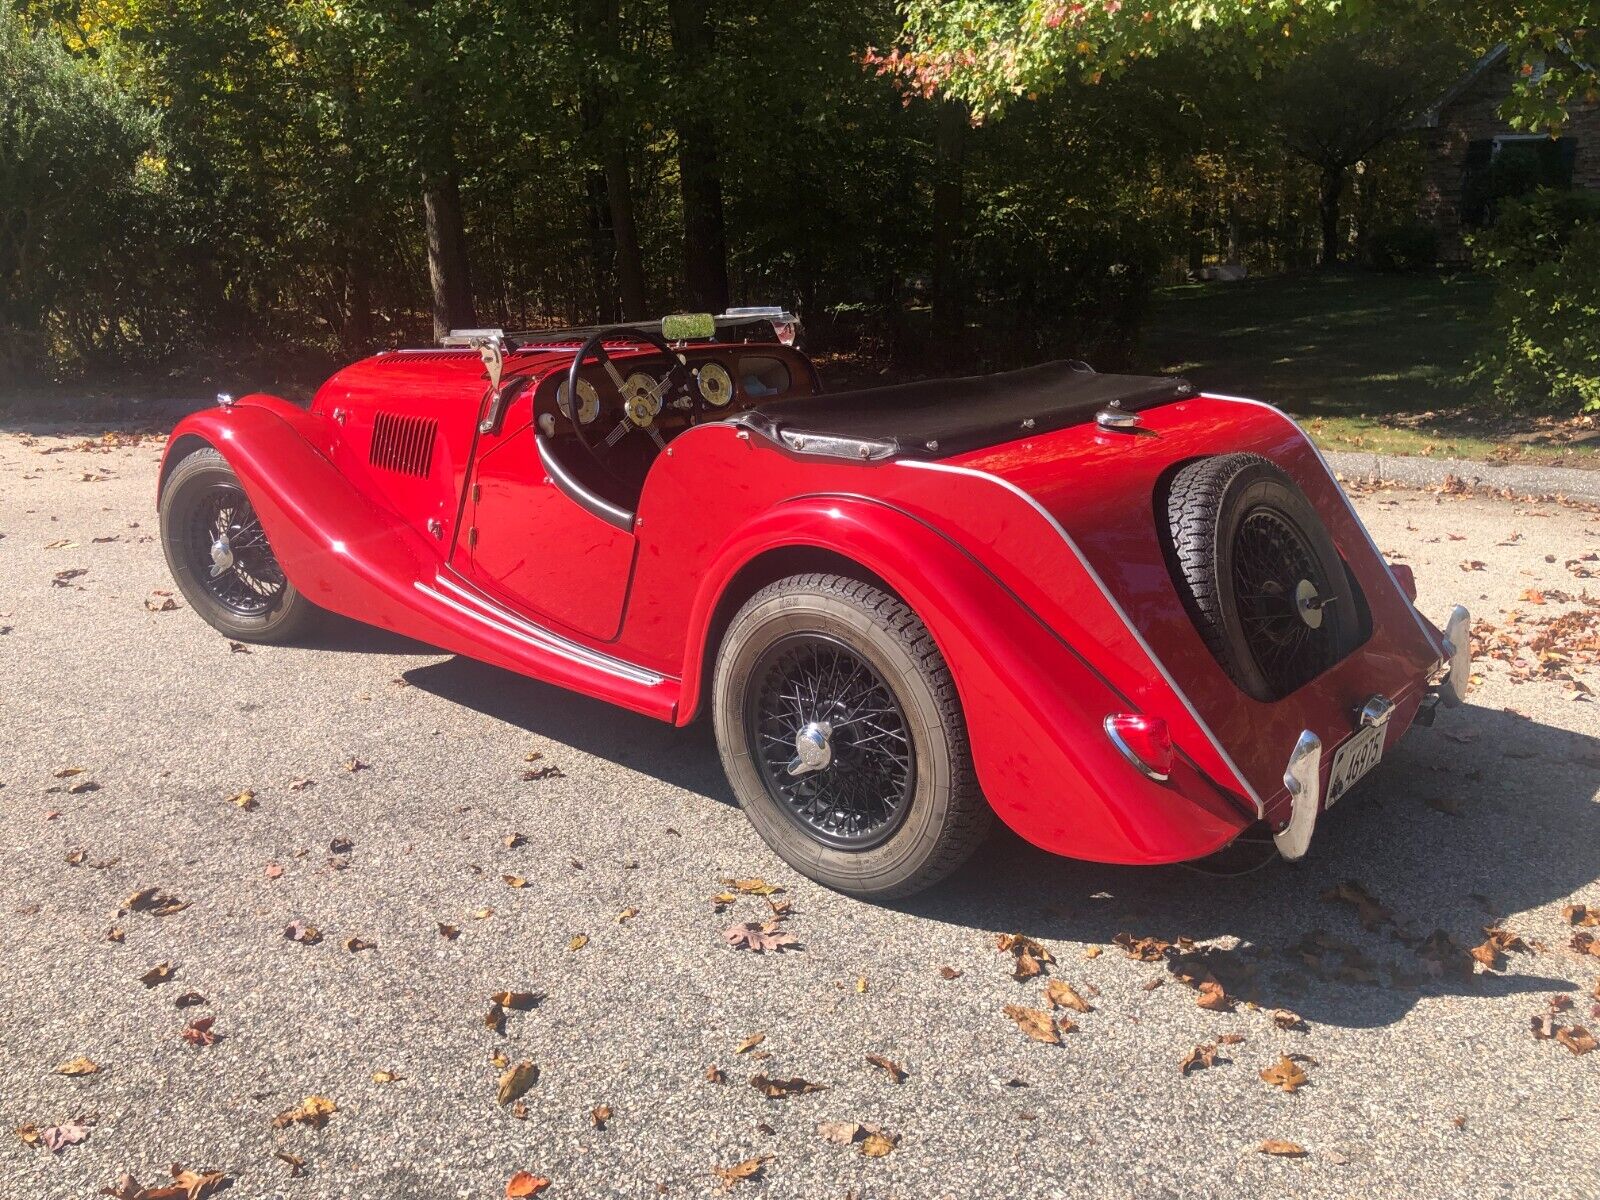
{"x": 403, "y": 444}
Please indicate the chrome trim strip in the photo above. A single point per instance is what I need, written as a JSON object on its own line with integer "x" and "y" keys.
{"x": 481, "y": 608}
{"x": 1161, "y": 669}
{"x": 1422, "y": 623}
{"x": 1303, "y": 778}
{"x": 595, "y": 506}
{"x": 1139, "y": 764}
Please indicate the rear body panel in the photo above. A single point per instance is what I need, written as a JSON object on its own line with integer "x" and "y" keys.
{"x": 1037, "y": 565}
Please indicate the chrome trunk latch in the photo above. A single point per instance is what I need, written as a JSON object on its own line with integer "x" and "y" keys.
{"x": 1376, "y": 711}
{"x": 1113, "y": 416}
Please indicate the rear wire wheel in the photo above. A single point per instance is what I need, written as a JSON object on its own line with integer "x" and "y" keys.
{"x": 1259, "y": 574}
{"x": 220, "y": 557}
{"x": 843, "y": 737}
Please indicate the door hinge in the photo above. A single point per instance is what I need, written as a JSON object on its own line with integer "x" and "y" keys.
{"x": 477, "y": 492}
{"x": 472, "y": 536}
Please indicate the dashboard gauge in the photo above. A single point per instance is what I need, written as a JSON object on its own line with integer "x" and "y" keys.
{"x": 716, "y": 385}
{"x": 588, "y": 402}
{"x": 646, "y": 388}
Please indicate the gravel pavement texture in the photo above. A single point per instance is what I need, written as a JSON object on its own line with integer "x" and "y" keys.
{"x": 1424, "y": 1077}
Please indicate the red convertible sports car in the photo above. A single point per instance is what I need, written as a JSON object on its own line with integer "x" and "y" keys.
{"x": 1132, "y": 619}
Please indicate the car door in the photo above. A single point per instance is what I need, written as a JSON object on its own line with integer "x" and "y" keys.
{"x": 532, "y": 545}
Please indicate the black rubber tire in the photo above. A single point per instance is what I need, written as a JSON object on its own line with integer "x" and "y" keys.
{"x": 290, "y": 618}
{"x": 947, "y": 817}
{"x": 1206, "y": 503}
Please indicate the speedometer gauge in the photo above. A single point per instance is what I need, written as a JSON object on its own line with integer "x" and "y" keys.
{"x": 588, "y": 402}
{"x": 716, "y": 385}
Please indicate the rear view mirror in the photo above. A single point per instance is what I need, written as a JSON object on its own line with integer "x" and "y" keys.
{"x": 688, "y": 327}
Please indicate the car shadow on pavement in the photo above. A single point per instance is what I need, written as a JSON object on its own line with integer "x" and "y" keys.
{"x": 681, "y": 758}
{"x": 1488, "y": 815}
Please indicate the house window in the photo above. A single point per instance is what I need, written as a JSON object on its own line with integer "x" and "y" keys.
{"x": 1511, "y": 165}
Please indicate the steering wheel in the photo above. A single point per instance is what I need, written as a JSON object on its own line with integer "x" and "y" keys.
{"x": 643, "y": 395}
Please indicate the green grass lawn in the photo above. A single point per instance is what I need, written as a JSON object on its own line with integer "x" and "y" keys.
{"x": 1366, "y": 361}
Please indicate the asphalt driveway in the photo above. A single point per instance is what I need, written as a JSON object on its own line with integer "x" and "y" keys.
{"x": 397, "y": 790}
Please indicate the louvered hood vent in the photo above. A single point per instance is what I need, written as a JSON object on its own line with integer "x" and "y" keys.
{"x": 403, "y": 444}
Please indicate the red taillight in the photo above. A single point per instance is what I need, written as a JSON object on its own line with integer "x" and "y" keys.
{"x": 1144, "y": 741}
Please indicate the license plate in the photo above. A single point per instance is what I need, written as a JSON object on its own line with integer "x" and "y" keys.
{"x": 1353, "y": 760}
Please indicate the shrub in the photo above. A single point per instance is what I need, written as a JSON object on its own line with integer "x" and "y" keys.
{"x": 1404, "y": 249}
{"x": 1544, "y": 338}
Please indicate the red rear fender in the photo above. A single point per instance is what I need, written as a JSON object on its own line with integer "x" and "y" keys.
{"x": 1034, "y": 708}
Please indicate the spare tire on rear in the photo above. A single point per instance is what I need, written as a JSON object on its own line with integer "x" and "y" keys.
{"x": 1259, "y": 574}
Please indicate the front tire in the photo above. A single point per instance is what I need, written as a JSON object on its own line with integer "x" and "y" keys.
{"x": 220, "y": 557}
{"x": 843, "y": 737}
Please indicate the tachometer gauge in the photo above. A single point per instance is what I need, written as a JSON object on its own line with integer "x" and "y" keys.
{"x": 716, "y": 385}
{"x": 588, "y": 402}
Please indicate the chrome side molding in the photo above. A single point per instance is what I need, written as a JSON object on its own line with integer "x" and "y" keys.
{"x": 1303, "y": 778}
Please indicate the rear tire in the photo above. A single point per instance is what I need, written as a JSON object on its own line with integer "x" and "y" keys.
{"x": 250, "y": 600}
{"x": 897, "y": 806}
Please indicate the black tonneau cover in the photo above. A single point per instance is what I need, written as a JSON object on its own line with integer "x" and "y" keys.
{"x": 936, "y": 418}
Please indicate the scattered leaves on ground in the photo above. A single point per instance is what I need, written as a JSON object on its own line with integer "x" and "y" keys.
{"x": 200, "y": 1033}
{"x": 355, "y": 945}
{"x": 888, "y": 1066}
{"x": 79, "y": 1066}
{"x": 1285, "y": 1018}
{"x": 245, "y": 800}
{"x": 525, "y": 1183}
{"x": 56, "y": 1138}
{"x": 1198, "y": 1059}
{"x": 750, "y": 1168}
{"x": 387, "y": 1076}
{"x": 158, "y": 974}
{"x": 949, "y": 973}
{"x": 1031, "y": 958}
{"x": 299, "y": 931}
{"x": 1142, "y": 949}
{"x": 185, "y": 1185}
{"x": 714, "y": 1074}
{"x": 154, "y": 901}
{"x": 1061, "y": 994}
{"x": 578, "y": 941}
{"x": 750, "y": 1043}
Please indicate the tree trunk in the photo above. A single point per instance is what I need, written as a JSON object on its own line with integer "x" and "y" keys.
{"x": 618, "y": 264}
{"x": 624, "y": 232}
{"x": 949, "y": 153}
{"x": 1331, "y": 193}
{"x": 705, "y": 239}
{"x": 447, "y": 253}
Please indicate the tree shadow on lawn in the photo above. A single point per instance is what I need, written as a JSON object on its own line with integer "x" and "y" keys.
{"x": 1486, "y": 815}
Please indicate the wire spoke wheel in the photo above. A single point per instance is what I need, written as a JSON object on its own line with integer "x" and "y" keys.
{"x": 851, "y": 786}
{"x": 1274, "y": 572}
{"x": 229, "y": 553}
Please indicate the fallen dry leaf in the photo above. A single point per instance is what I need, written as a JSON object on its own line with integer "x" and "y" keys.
{"x": 386, "y": 1076}
{"x": 627, "y": 914}
{"x": 1093, "y": 951}
{"x": 750, "y": 1043}
{"x": 273, "y": 871}
{"x": 1285, "y": 1074}
{"x": 1199, "y": 1058}
{"x": 1285, "y": 1018}
{"x": 714, "y": 1074}
{"x": 79, "y": 1066}
{"x": 1142, "y": 949}
{"x": 753, "y": 887}
{"x": 245, "y": 800}
{"x": 154, "y": 901}
{"x": 782, "y": 1089}
{"x": 517, "y": 1001}
{"x": 448, "y": 932}
{"x": 199, "y": 1032}
{"x": 1281, "y": 1149}
{"x": 1038, "y": 1024}
{"x": 514, "y": 881}
{"x": 949, "y": 973}
{"x": 186, "y": 1185}
{"x": 115, "y": 935}
{"x": 299, "y": 931}
{"x": 877, "y": 1143}
{"x": 1030, "y": 956}
{"x": 840, "y": 1133}
{"x": 513, "y": 840}
{"x": 297, "y": 1165}
{"x": 888, "y": 1066}
{"x": 1211, "y": 996}
{"x": 1060, "y": 994}
{"x": 355, "y": 945}
{"x": 56, "y": 1138}
{"x": 158, "y": 974}
{"x": 516, "y": 1082}
{"x": 312, "y": 1112}
{"x": 1372, "y": 915}
{"x": 578, "y": 942}
{"x": 599, "y": 1115}
{"x": 748, "y": 1169}
{"x": 525, "y": 1183}
{"x": 760, "y": 936}
{"x": 1577, "y": 1039}
{"x": 1586, "y": 943}
{"x": 1580, "y": 914}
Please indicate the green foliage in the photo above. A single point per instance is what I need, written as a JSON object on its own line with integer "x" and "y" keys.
{"x": 1407, "y": 248}
{"x": 78, "y": 193}
{"x": 1544, "y": 344}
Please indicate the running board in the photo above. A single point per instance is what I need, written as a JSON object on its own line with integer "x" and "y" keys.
{"x": 547, "y": 655}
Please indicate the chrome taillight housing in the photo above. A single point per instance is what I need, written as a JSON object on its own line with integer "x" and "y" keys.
{"x": 1146, "y": 742}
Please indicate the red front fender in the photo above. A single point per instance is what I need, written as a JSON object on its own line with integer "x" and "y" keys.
{"x": 1034, "y": 708}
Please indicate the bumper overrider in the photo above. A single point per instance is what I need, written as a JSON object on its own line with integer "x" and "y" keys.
{"x": 1303, "y": 774}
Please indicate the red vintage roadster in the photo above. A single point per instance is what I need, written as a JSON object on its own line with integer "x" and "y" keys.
{"x": 1132, "y": 619}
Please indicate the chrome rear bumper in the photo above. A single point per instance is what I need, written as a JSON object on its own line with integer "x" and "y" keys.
{"x": 1303, "y": 775}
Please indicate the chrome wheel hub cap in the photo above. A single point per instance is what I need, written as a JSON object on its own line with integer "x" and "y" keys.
{"x": 813, "y": 748}
{"x": 221, "y": 556}
{"x": 1308, "y": 604}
